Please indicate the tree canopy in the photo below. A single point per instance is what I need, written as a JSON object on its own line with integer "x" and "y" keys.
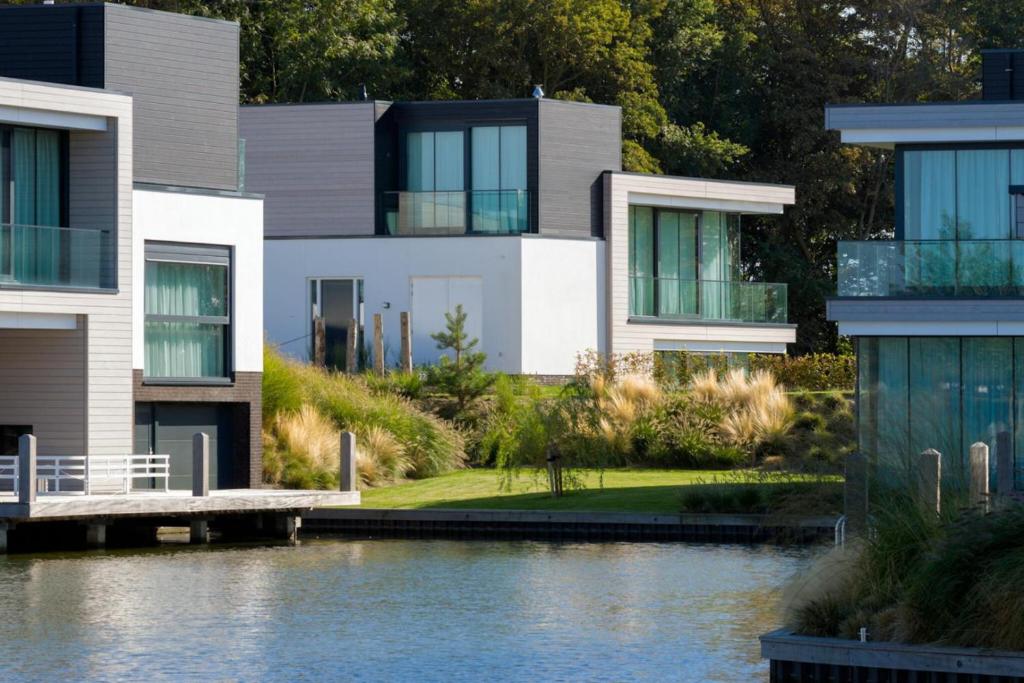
{"x": 726, "y": 88}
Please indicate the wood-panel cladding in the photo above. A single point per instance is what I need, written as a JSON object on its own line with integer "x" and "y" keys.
{"x": 182, "y": 73}
{"x": 42, "y": 384}
{"x": 314, "y": 164}
{"x": 577, "y": 143}
{"x": 53, "y": 44}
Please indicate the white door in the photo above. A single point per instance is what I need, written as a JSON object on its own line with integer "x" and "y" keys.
{"x": 432, "y": 297}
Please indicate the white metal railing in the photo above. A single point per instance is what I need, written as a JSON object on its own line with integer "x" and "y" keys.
{"x": 9, "y": 474}
{"x": 84, "y": 475}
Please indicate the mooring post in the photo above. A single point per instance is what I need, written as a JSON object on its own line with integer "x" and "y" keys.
{"x": 929, "y": 477}
{"x": 348, "y": 461}
{"x": 198, "y": 531}
{"x": 200, "y": 464}
{"x": 856, "y": 493}
{"x": 352, "y": 347}
{"x": 95, "y": 535}
{"x": 286, "y": 527}
{"x": 4, "y": 528}
{"x": 1004, "y": 471}
{"x": 378, "y": 343}
{"x": 27, "y": 469}
{"x": 406, "y": 342}
{"x": 979, "y": 493}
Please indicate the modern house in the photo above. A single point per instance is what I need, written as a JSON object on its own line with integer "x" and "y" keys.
{"x": 516, "y": 209}
{"x": 131, "y": 275}
{"x": 937, "y": 313}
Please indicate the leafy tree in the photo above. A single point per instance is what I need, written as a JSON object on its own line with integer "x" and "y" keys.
{"x": 461, "y": 376}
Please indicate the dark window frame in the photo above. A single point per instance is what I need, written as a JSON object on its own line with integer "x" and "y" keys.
{"x": 202, "y": 255}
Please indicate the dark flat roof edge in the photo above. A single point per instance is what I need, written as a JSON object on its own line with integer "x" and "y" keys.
{"x": 946, "y": 103}
{"x": 426, "y": 103}
{"x": 208, "y": 192}
{"x": 120, "y": 6}
{"x": 698, "y": 179}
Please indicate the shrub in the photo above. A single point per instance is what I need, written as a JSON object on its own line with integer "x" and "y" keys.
{"x": 755, "y": 410}
{"x": 411, "y": 385}
{"x": 301, "y": 430}
{"x": 752, "y": 491}
{"x": 812, "y": 372}
{"x": 921, "y": 578}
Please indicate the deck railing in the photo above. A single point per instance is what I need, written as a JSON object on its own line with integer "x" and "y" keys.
{"x": 50, "y": 256}
{"x": 85, "y": 475}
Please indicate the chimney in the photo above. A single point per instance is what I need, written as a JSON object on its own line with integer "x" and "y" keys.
{"x": 1002, "y": 75}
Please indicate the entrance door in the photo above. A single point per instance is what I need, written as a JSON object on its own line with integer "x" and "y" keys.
{"x": 338, "y": 301}
{"x": 167, "y": 429}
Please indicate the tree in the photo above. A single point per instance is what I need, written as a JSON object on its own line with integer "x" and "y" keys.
{"x": 461, "y": 376}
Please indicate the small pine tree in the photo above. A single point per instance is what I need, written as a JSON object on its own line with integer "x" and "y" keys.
{"x": 463, "y": 377}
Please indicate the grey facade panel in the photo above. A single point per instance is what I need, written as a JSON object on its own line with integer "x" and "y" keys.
{"x": 52, "y": 44}
{"x": 924, "y": 310}
{"x": 577, "y": 143}
{"x": 314, "y": 165}
{"x": 183, "y": 75}
{"x": 938, "y": 115}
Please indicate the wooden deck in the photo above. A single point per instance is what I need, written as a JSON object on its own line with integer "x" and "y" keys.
{"x": 56, "y": 507}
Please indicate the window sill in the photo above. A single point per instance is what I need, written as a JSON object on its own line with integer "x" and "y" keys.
{"x": 188, "y": 381}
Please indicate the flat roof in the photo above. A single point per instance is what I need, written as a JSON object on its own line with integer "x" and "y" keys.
{"x": 886, "y": 125}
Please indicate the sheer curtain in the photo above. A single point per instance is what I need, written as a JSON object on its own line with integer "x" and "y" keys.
{"x": 187, "y": 347}
{"x": 929, "y": 195}
{"x": 713, "y": 265}
{"x": 641, "y": 260}
{"x": 498, "y": 173}
{"x": 987, "y": 392}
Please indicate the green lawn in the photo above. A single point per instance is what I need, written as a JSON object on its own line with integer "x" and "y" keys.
{"x": 624, "y": 490}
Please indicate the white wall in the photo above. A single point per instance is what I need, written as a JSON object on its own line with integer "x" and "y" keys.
{"x": 542, "y": 299}
{"x": 563, "y": 303}
{"x": 207, "y": 219}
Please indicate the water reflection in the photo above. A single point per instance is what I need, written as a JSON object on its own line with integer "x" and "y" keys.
{"x": 395, "y": 610}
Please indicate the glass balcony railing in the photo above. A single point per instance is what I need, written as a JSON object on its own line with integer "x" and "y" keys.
{"x": 931, "y": 268}
{"x": 734, "y": 301}
{"x": 497, "y": 212}
{"x": 45, "y": 256}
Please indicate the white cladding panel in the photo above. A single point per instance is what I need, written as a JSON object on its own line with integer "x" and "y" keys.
{"x": 192, "y": 218}
{"x": 432, "y": 298}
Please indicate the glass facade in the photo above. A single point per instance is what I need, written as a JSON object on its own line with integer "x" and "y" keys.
{"x": 498, "y": 164}
{"x": 685, "y": 264}
{"x": 188, "y": 316}
{"x": 959, "y": 194}
{"x": 945, "y": 393}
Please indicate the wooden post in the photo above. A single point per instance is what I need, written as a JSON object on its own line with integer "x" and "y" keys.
{"x": 348, "y": 461}
{"x": 979, "y": 494}
{"x": 27, "y": 469}
{"x": 319, "y": 342}
{"x": 352, "y": 347}
{"x": 929, "y": 477}
{"x": 3, "y": 536}
{"x": 95, "y": 535}
{"x": 855, "y": 493}
{"x": 378, "y": 343}
{"x": 200, "y": 465}
{"x": 406, "y": 342}
{"x": 199, "y": 531}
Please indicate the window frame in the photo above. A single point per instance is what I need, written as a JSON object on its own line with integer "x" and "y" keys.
{"x": 201, "y": 255}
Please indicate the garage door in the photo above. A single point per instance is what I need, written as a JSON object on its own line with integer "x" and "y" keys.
{"x": 432, "y": 297}
{"x": 167, "y": 428}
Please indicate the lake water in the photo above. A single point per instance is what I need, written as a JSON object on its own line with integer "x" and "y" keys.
{"x": 394, "y": 610}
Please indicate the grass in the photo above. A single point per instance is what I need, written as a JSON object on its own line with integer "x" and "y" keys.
{"x": 625, "y": 490}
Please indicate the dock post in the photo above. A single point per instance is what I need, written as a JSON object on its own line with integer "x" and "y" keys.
{"x": 201, "y": 465}
{"x": 95, "y": 535}
{"x": 1004, "y": 471}
{"x": 4, "y": 528}
{"x": 979, "y": 493}
{"x": 348, "y": 461}
{"x": 352, "y": 347}
{"x": 378, "y": 343}
{"x": 286, "y": 527}
{"x": 929, "y": 478}
{"x": 26, "y": 469}
{"x": 406, "y": 342}
{"x": 198, "y": 531}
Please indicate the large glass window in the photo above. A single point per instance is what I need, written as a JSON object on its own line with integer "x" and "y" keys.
{"x": 682, "y": 263}
{"x": 499, "y": 179}
{"x": 187, "y": 308}
{"x": 435, "y": 163}
{"x": 945, "y": 393}
{"x": 31, "y": 176}
{"x": 960, "y": 194}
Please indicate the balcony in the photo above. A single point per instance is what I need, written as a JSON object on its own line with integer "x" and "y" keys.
{"x": 931, "y": 268}
{"x": 45, "y": 256}
{"x": 712, "y": 300}
{"x": 477, "y": 212}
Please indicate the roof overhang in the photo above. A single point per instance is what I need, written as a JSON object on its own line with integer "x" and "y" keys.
{"x": 887, "y": 125}
{"x": 704, "y": 194}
